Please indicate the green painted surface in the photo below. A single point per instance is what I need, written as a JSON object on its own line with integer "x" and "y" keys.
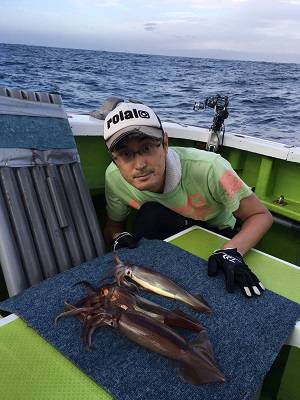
{"x": 286, "y": 180}
{"x": 264, "y": 179}
{"x": 281, "y": 242}
{"x": 290, "y": 210}
{"x": 94, "y": 160}
{"x": 274, "y": 377}
{"x": 31, "y": 369}
{"x": 275, "y": 275}
{"x": 291, "y": 378}
{"x": 271, "y": 178}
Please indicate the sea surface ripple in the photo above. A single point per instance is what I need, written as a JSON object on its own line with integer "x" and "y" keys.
{"x": 264, "y": 97}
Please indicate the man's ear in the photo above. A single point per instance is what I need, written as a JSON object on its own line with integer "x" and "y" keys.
{"x": 165, "y": 141}
{"x": 111, "y": 156}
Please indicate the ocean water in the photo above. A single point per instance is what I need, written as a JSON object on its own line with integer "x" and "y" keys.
{"x": 264, "y": 97}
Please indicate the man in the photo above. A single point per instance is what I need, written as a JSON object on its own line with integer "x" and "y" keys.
{"x": 173, "y": 188}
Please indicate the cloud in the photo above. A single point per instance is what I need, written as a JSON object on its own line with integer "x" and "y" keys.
{"x": 95, "y": 3}
{"x": 150, "y": 26}
{"x": 201, "y": 3}
{"x": 222, "y": 4}
{"x": 174, "y": 27}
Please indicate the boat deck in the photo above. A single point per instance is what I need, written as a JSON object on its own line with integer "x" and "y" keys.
{"x": 31, "y": 368}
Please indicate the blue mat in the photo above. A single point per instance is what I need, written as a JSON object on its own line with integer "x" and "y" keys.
{"x": 41, "y": 133}
{"x": 246, "y": 334}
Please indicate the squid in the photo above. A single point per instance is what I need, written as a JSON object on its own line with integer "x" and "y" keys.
{"x": 81, "y": 312}
{"x": 95, "y": 295}
{"x": 196, "y": 360}
{"x": 149, "y": 325}
{"x": 119, "y": 296}
{"x": 113, "y": 295}
{"x": 133, "y": 276}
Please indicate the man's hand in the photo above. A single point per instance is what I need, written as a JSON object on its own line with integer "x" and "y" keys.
{"x": 235, "y": 271}
{"x": 123, "y": 239}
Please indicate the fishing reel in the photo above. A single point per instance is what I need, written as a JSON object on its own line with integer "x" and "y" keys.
{"x": 217, "y": 130}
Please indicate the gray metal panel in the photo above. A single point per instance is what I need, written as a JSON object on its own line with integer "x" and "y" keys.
{"x": 89, "y": 209}
{"x": 3, "y": 91}
{"x": 47, "y": 219}
{"x": 47, "y": 223}
{"x": 55, "y": 233}
{"x": 10, "y": 259}
{"x": 41, "y": 97}
{"x": 70, "y": 233}
{"x": 56, "y": 194}
{"x": 37, "y": 223}
{"x": 31, "y": 107}
{"x": 22, "y": 230}
{"x": 18, "y": 157}
{"x": 76, "y": 209}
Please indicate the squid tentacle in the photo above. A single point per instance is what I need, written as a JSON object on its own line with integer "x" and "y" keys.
{"x": 72, "y": 312}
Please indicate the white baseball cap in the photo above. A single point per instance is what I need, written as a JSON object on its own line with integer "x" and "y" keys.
{"x": 128, "y": 118}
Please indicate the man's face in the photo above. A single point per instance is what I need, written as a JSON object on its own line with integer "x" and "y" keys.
{"x": 142, "y": 162}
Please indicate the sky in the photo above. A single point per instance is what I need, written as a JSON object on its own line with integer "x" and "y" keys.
{"x": 261, "y": 30}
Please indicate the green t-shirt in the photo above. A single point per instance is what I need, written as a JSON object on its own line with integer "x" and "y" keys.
{"x": 209, "y": 190}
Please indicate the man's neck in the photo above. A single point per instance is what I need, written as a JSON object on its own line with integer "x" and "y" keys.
{"x": 172, "y": 174}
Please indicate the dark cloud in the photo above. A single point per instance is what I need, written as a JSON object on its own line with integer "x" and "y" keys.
{"x": 150, "y": 26}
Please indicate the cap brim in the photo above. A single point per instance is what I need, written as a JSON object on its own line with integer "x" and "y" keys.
{"x": 150, "y": 131}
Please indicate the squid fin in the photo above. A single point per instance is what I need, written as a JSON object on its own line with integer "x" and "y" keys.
{"x": 202, "y": 299}
{"x": 181, "y": 320}
{"x": 183, "y": 314}
{"x": 208, "y": 372}
{"x": 202, "y": 345}
{"x": 199, "y": 376}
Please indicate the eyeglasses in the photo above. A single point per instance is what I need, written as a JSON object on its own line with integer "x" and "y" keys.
{"x": 127, "y": 155}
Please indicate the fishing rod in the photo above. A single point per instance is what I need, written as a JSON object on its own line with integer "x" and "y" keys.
{"x": 217, "y": 130}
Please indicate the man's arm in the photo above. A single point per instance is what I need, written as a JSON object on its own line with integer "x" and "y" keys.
{"x": 256, "y": 221}
{"x": 114, "y": 234}
{"x": 112, "y": 229}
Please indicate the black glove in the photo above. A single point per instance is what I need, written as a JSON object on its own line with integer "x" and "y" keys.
{"x": 235, "y": 271}
{"x": 124, "y": 239}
